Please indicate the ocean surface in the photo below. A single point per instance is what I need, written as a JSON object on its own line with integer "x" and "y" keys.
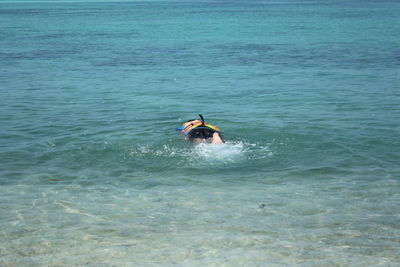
{"x": 94, "y": 173}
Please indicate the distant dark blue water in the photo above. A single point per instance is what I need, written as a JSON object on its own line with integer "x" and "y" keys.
{"x": 93, "y": 172}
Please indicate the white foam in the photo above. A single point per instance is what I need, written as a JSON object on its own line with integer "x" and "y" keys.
{"x": 205, "y": 153}
{"x": 228, "y": 152}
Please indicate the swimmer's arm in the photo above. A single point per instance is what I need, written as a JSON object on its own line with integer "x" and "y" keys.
{"x": 217, "y": 139}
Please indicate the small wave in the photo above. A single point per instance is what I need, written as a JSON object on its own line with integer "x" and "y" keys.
{"x": 164, "y": 151}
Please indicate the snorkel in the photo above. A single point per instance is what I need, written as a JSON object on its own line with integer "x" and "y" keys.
{"x": 202, "y": 120}
{"x": 192, "y": 124}
{"x": 199, "y": 130}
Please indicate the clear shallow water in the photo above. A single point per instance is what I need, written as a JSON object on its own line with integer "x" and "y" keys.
{"x": 92, "y": 171}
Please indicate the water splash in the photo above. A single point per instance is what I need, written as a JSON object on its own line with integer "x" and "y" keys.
{"x": 210, "y": 154}
{"x": 227, "y": 153}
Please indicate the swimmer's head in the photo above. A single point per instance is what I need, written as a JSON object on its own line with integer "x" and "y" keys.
{"x": 198, "y": 131}
{"x": 201, "y": 132}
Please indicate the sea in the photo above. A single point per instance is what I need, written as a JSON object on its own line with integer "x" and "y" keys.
{"x": 94, "y": 173}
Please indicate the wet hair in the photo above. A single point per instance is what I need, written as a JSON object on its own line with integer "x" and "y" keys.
{"x": 201, "y": 132}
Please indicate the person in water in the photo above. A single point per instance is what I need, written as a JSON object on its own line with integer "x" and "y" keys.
{"x": 198, "y": 132}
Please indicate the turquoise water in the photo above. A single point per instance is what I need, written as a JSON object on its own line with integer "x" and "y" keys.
{"x": 92, "y": 171}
